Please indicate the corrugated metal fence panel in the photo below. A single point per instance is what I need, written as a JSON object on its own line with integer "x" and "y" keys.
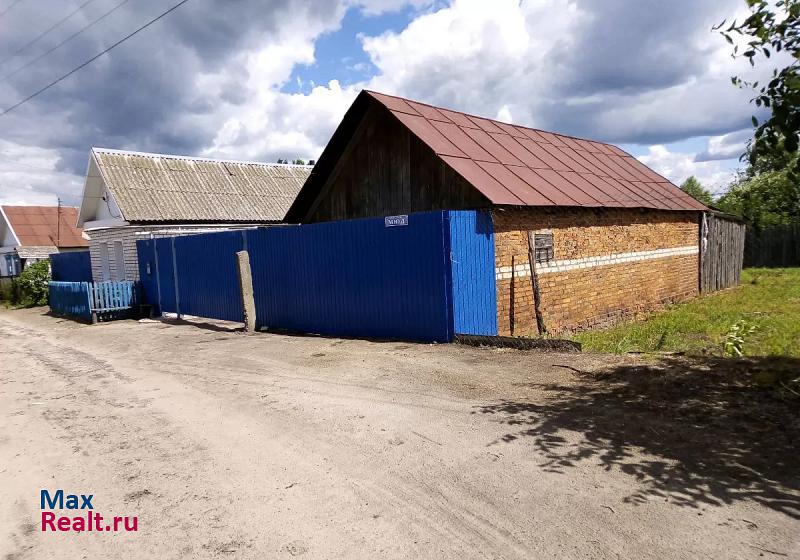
{"x": 71, "y": 267}
{"x": 355, "y": 278}
{"x": 473, "y": 272}
{"x": 145, "y": 249}
{"x": 70, "y": 298}
{"x": 166, "y": 274}
{"x": 208, "y": 282}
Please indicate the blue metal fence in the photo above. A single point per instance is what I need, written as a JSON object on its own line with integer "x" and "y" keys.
{"x": 473, "y": 273}
{"x": 70, "y": 298}
{"x": 71, "y": 267}
{"x": 421, "y": 277}
{"x": 355, "y": 278}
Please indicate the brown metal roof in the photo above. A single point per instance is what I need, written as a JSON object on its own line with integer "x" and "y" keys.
{"x": 516, "y": 165}
{"x": 45, "y": 226}
{"x": 168, "y": 188}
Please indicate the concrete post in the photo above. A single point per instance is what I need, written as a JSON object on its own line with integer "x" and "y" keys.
{"x": 246, "y": 290}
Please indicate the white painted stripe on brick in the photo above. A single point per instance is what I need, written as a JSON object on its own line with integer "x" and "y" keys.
{"x": 523, "y": 270}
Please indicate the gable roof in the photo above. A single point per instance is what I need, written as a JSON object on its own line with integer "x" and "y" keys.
{"x": 45, "y": 226}
{"x": 168, "y": 188}
{"x": 509, "y": 164}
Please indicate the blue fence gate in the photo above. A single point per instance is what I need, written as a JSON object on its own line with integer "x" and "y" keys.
{"x": 419, "y": 277}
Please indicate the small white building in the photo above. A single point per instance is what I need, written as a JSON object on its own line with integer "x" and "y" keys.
{"x": 129, "y": 196}
{"x": 31, "y": 233}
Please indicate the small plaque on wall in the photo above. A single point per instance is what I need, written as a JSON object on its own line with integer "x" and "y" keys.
{"x": 393, "y": 221}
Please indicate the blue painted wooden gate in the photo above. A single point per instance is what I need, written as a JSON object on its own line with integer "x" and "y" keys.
{"x": 423, "y": 277}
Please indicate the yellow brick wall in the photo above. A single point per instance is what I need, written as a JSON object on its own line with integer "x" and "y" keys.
{"x": 597, "y": 295}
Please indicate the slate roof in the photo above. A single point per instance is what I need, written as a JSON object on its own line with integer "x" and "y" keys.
{"x": 516, "y": 165}
{"x": 168, "y": 188}
{"x": 45, "y": 226}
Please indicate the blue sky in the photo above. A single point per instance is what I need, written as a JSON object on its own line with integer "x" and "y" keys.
{"x": 263, "y": 79}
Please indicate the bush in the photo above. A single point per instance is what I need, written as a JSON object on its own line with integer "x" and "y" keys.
{"x": 33, "y": 283}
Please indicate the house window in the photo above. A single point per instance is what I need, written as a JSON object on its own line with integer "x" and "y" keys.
{"x": 12, "y": 264}
{"x": 119, "y": 261}
{"x": 543, "y": 248}
{"x": 105, "y": 265}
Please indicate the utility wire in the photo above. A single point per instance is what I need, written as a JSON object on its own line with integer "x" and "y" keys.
{"x": 64, "y": 42}
{"x": 95, "y": 57}
{"x": 45, "y": 32}
{"x": 9, "y": 8}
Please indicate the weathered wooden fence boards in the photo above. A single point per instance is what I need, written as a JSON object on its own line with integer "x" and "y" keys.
{"x": 85, "y": 299}
{"x": 113, "y": 296}
{"x": 774, "y": 247}
{"x": 70, "y": 298}
{"x": 722, "y": 252}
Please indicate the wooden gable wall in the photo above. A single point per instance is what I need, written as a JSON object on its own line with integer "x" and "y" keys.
{"x": 385, "y": 170}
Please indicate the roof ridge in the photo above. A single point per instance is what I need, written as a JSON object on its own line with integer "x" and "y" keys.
{"x": 97, "y": 149}
{"x": 438, "y": 108}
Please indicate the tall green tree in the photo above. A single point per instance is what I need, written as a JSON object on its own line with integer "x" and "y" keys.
{"x": 692, "y": 187}
{"x": 772, "y": 27}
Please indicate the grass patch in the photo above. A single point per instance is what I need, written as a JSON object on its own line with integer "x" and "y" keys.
{"x": 768, "y": 300}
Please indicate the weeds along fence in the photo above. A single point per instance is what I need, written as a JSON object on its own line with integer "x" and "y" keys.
{"x": 387, "y": 278}
{"x": 773, "y": 247}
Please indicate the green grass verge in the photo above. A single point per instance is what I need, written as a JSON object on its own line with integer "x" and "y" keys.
{"x": 768, "y": 299}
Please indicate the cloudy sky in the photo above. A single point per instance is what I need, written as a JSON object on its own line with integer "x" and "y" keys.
{"x": 262, "y": 79}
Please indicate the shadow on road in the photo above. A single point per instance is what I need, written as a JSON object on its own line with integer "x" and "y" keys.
{"x": 695, "y": 432}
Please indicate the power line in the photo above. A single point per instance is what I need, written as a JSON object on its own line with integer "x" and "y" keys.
{"x": 9, "y": 8}
{"x": 64, "y": 42}
{"x": 45, "y": 32}
{"x": 95, "y": 57}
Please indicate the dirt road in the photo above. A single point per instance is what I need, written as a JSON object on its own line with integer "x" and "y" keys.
{"x": 269, "y": 446}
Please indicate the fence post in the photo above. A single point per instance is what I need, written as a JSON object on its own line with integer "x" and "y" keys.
{"x": 175, "y": 279}
{"x": 246, "y": 290}
{"x": 158, "y": 273}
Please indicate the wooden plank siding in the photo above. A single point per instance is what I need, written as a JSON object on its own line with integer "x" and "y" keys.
{"x": 386, "y": 170}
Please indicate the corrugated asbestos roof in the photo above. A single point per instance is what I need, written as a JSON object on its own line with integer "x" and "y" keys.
{"x": 516, "y": 165}
{"x": 165, "y": 188}
{"x": 509, "y": 164}
{"x": 46, "y": 226}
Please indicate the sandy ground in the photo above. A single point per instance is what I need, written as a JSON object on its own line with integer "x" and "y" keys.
{"x": 270, "y": 446}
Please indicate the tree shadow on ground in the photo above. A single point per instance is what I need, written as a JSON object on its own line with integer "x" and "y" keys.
{"x": 695, "y": 432}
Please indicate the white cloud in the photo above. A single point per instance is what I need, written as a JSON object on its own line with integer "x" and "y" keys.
{"x": 679, "y": 166}
{"x": 727, "y": 146}
{"x": 644, "y": 72}
{"x": 28, "y": 175}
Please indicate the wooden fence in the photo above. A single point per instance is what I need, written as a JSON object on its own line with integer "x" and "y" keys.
{"x": 721, "y": 252}
{"x": 775, "y": 247}
{"x": 101, "y": 300}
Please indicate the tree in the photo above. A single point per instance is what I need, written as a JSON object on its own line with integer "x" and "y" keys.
{"x": 692, "y": 187}
{"x": 772, "y": 27}
{"x": 765, "y": 198}
{"x": 299, "y": 161}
